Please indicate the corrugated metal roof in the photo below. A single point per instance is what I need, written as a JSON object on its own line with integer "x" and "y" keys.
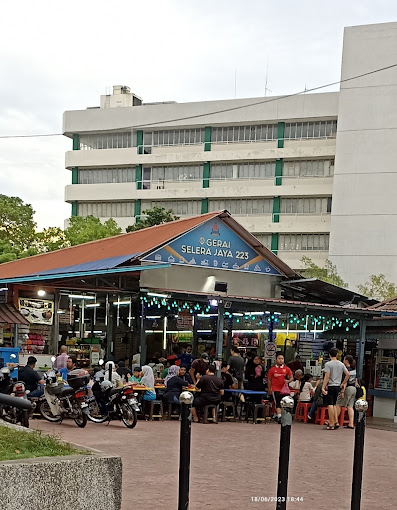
{"x": 95, "y": 265}
{"x": 10, "y": 315}
{"x": 117, "y": 246}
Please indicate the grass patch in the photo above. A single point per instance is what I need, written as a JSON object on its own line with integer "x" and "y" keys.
{"x": 16, "y": 444}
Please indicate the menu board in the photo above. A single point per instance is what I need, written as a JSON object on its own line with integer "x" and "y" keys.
{"x": 37, "y": 311}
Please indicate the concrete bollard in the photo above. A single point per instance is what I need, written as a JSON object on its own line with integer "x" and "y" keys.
{"x": 186, "y": 400}
{"x": 361, "y": 407}
{"x": 287, "y": 405}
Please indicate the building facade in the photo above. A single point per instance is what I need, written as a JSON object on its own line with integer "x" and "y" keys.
{"x": 269, "y": 161}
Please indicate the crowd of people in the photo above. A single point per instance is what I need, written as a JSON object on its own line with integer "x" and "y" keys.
{"x": 338, "y": 386}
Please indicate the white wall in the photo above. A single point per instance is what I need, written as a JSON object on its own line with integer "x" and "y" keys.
{"x": 364, "y": 208}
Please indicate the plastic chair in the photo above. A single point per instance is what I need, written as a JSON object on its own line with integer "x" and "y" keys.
{"x": 343, "y": 417}
{"x": 302, "y": 411}
{"x": 214, "y": 412}
{"x": 152, "y": 405}
{"x": 224, "y": 407}
{"x": 254, "y": 410}
{"x": 322, "y": 415}
{"x": 172, "y": 410}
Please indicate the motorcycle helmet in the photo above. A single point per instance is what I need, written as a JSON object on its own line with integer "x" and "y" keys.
{"x": 106, "y": 385}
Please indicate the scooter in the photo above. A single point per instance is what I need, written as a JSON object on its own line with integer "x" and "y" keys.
{"x": 8, "y": 410}
{"x": 65, "y": 402}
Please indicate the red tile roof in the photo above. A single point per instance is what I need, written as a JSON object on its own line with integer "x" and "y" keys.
{"x": 137, "y": 242}
{"x": 390, "y": 305}
{"x": 10, "y": 315}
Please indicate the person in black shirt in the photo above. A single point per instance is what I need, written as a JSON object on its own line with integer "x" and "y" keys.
{"x": 211, "y": 388}
{"x": 227, "y": 382}
{"x": 31, "y": 378}
{"x": 184, "y": 375}
{"x": 122, "y": 370}
{"x": 173, "y": 385}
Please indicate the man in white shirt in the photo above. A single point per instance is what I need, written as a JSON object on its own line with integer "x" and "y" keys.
{"x": 62, "y": 359}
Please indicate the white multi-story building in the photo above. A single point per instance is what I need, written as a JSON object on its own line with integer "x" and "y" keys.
{"x": 269, "y": 161}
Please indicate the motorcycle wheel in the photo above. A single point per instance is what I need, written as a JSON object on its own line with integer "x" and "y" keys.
{"x": 25, "y": 419}
{"x": 97, "y": 417}
{"x": 46, "y": 413}
{"x": 128, "y": 415}
{"x": 81, "y": 420}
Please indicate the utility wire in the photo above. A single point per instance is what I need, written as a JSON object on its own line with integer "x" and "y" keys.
{"x": 225, "y": 110}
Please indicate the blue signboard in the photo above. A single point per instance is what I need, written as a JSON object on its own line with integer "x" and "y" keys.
{"x": 213, "y": 244}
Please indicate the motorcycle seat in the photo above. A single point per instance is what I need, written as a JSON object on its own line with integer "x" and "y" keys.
{"x": 113, "y": 391}
{"x": 67, "y": 391}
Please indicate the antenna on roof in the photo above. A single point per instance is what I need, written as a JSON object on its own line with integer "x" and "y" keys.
{"x": 235, "y": 83}
{"x": 267, "y": 74}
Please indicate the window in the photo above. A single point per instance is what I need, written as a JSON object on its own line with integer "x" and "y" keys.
{"x": 260, "y": 133}
{"x": 265, "y": 239}
{"x": 111, "y": 140}
{"x": 105, "y": 209}
{"x": 303, "y": 242}
{"x": 106, "y": 175}
{"x": 178, "y": 207}
{"x": 173, "y": 137}
{"x": 318, "y": 129}
{"x": 242, "y": 207}
{"x": 251, "y": 170}
{"x": 309, "y": 168}
{"x": 305, "y": 205}
{"x": 158, "y": 174}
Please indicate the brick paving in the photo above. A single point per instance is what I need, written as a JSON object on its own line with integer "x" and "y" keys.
{"x": 234, "y": 462}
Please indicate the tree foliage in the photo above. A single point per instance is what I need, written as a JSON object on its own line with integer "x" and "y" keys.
{"x": 82, "y": 230}
{"x": 155, "y": 216}
{"x": 328, "y": 273}
{"x": 17, "y": 225}
{"x": 377, "y": 287}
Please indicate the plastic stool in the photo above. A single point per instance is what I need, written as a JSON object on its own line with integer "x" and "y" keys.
{"x": 322, "y": 415}
{"x": 343, "y": 417}
{"x": 172, "y": 410}
{"x": 253, "y": 411}
{"x": 214, "y": 417}
{"x": 302, "y": 410}
{"x": 152, "y": 404}
{"x": 224, "y": 407}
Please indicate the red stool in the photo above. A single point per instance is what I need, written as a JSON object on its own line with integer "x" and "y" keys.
{"x": 322, "y": 415}
{"x": 302, "y": 411}
{"x": 343, "y": 417}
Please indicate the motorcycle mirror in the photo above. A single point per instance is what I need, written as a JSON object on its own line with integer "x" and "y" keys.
{"x": 100, "y": 362}
{"x": 53, "y": 359}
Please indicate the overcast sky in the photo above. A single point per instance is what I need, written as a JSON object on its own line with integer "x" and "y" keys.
{"x": 57, "y": 56}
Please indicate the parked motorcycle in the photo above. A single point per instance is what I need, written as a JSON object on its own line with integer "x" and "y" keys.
{"x": 9, "y": 411}
{"x": 110, "y": 403}
{"x": 65, "y": 402}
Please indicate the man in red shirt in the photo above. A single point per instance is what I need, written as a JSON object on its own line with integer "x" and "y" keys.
{"x": 277, "y": 376}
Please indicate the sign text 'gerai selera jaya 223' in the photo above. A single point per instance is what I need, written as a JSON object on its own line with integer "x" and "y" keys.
{"x": 213, "y": 244}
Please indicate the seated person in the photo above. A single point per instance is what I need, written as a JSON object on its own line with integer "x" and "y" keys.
{"x": 184, "y": 375}
{"x": 170, "y": 363}
{"x": 173, "y": 385}
{"x": 31, "y": 378}
{"x": 296, "y": 385}
{"x": 307, "y": 390}
{"x": 136, "y": 375}
{"x": 148, "y": 380}
{"x": 122, "y": 370}
{"x": 228, "y": 382}
{"x": 70, "y": 365}
{"x": 211, "y": 388}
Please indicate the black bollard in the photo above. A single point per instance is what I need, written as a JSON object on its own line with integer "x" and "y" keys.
{"x": 287, "y": 404}
{"x": 186, "y": 400}
{"x": 361, "y": 407}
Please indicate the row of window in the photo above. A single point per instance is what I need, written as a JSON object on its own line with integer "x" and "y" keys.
{"x": 195, "y": 136}
{"x": 251, "y": 170}
{"x": 106, "y": 209}
{"x": 243, "y": 206}
{"x": 306, "y": 205}
{"x": 297, "y": 242}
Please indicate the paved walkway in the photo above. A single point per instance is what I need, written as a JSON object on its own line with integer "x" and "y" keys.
{"x": 235, "y": 462}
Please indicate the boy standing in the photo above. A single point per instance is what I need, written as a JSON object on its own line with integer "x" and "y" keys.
{"x": 277, "y": 376}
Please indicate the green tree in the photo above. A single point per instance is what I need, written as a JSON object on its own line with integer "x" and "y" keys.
{"x": 82, "y": 230}
{"x": 377, "y": 287}
{"x": 50, "y": 239}
{"x": 8, "y": 252}
{"x": 17, "y": 225}
{"x": 155, "y": 216}
{"x": 328, "y": 273}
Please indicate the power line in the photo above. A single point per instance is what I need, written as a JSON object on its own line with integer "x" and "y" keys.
{"x": 225, "y": 110}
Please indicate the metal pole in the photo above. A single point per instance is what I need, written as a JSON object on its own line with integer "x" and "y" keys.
{"x": 143, "y": 335}
{"x": 186, "y": 400}
{"x": 361, "y": 350}
{"x": 361, "y": 408}
{"x": 195, "y": 337}
{"x": 219, "y": 334}
{"x": 287, "y": 404}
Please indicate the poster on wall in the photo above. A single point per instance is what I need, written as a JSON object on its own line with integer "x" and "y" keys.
{"x": 37, "y": 311}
